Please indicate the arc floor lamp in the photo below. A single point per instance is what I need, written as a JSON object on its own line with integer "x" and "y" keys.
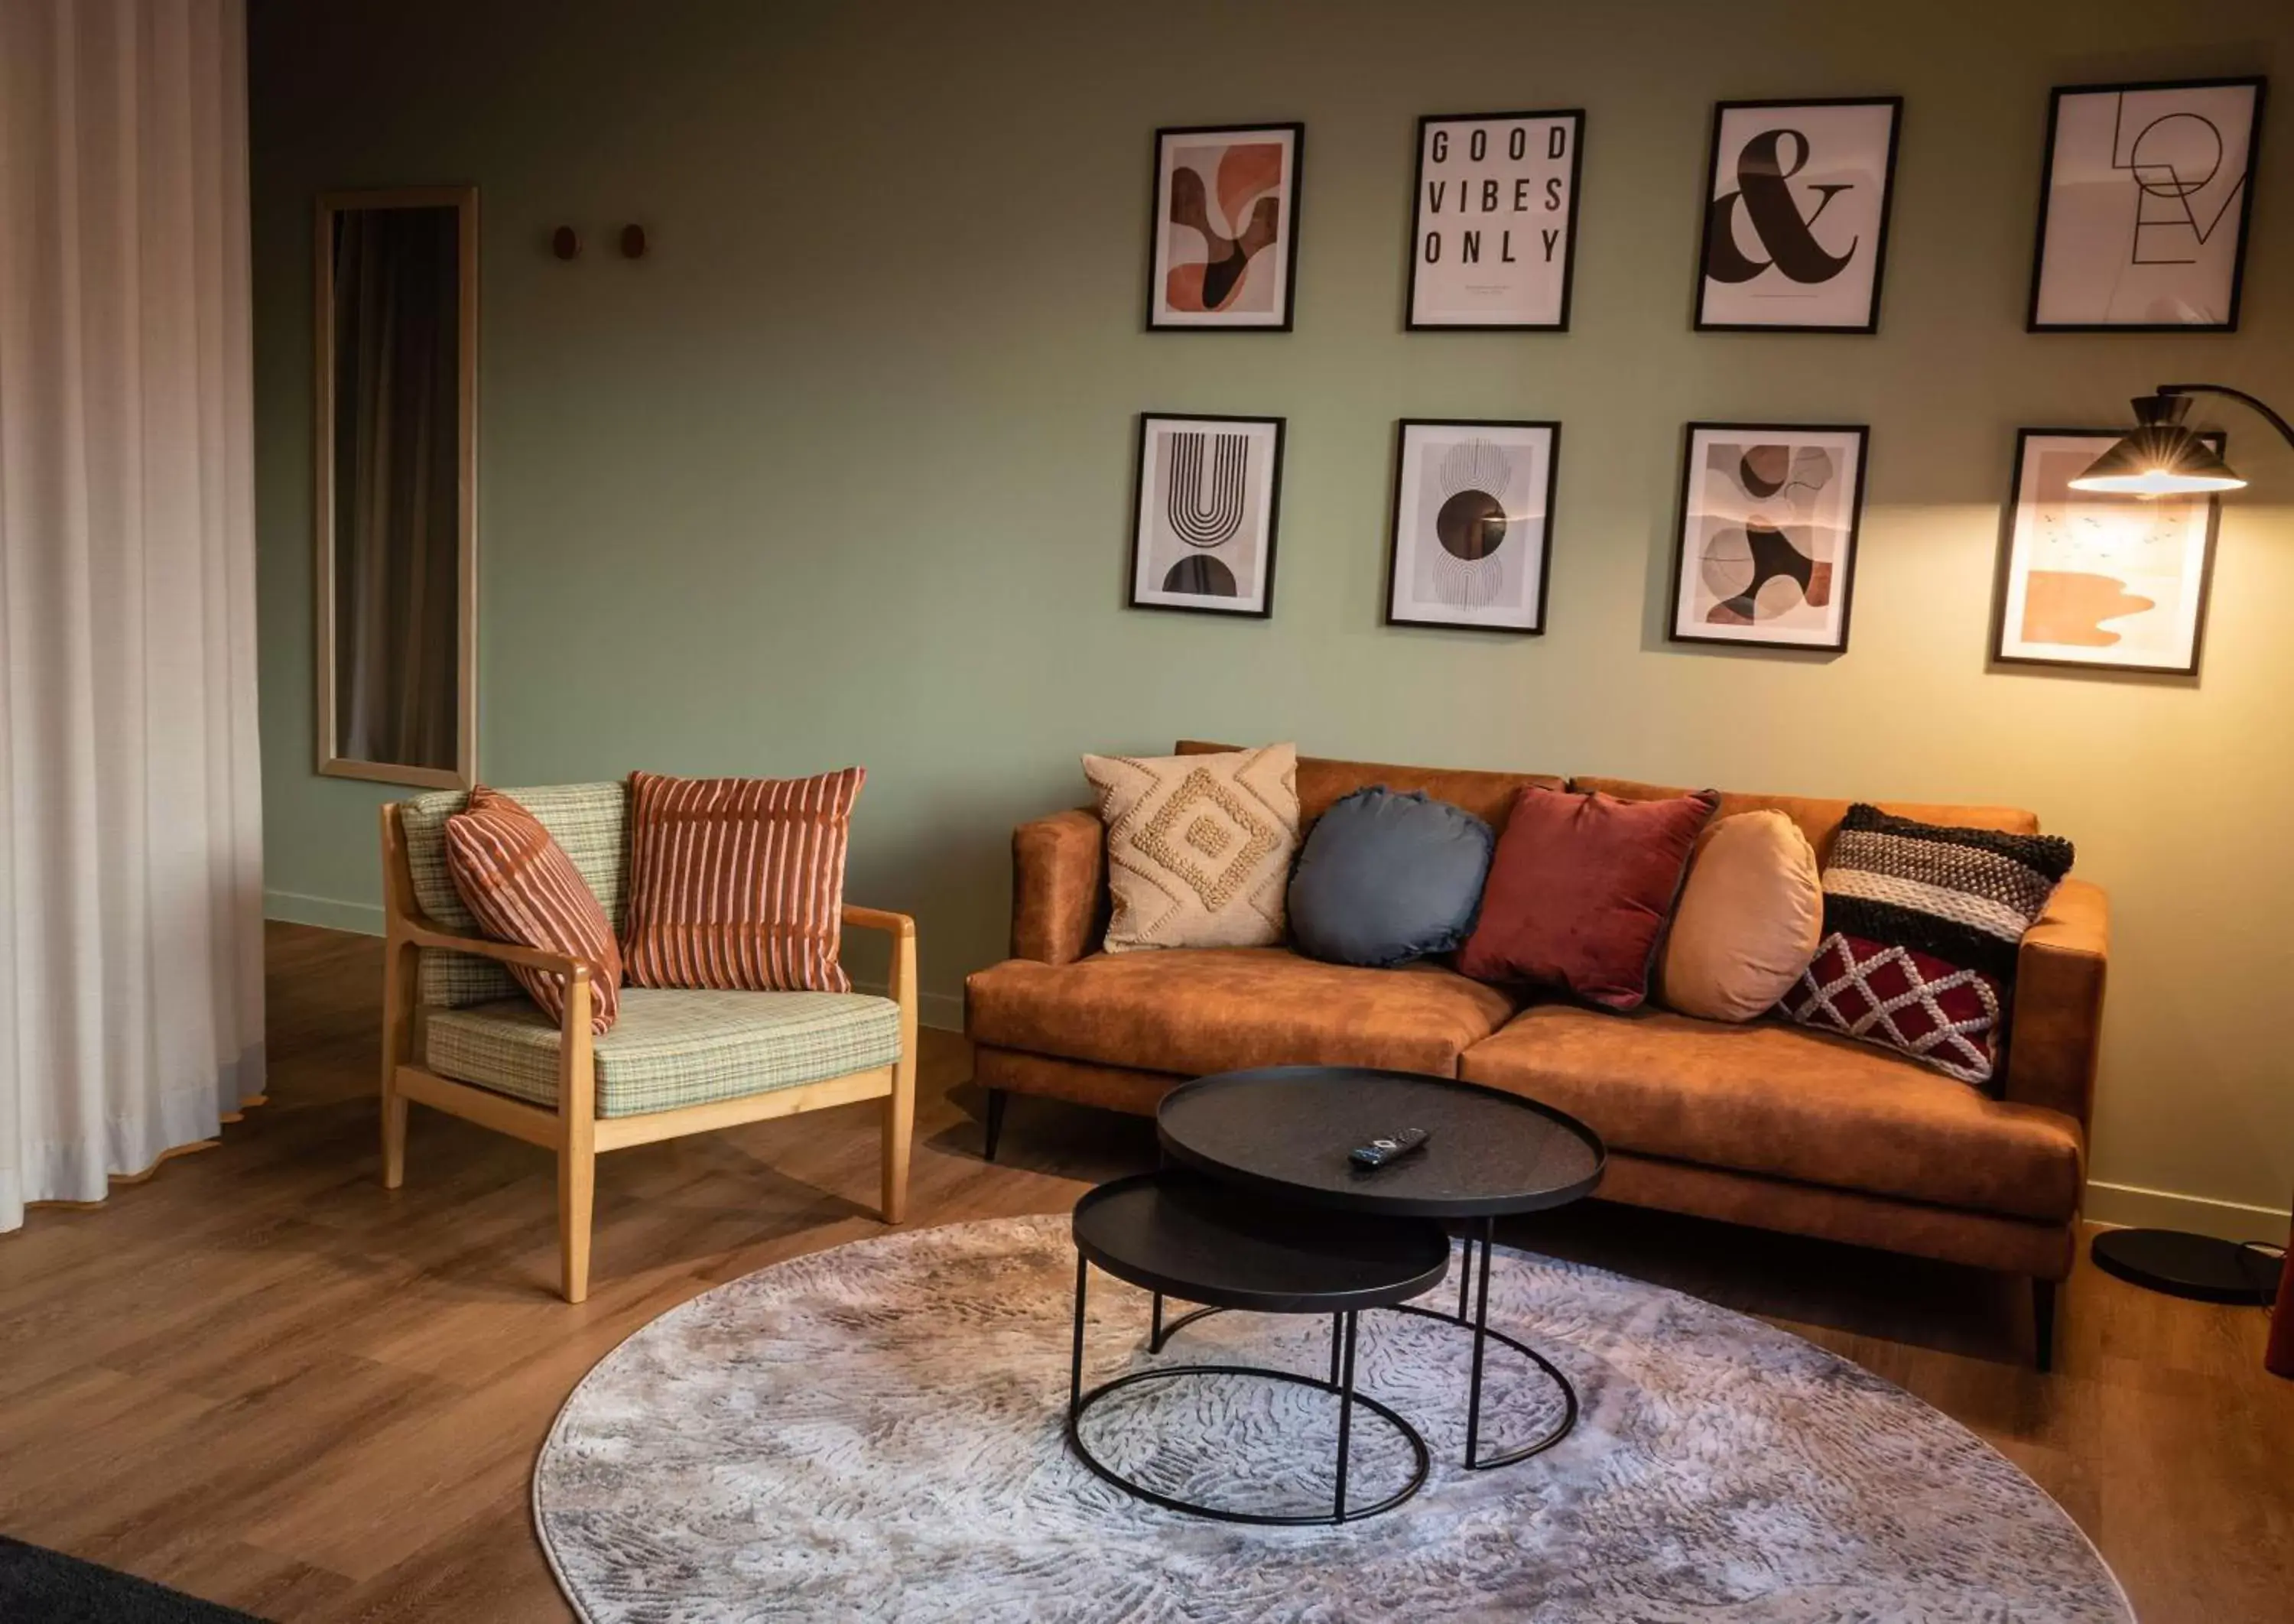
{"x": 2161, "y": 455}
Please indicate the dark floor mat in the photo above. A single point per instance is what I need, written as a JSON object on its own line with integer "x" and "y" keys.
{"x": 42, "y": 1586}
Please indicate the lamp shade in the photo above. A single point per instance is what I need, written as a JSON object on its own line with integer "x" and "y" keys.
{"x": 2159, "y": 457}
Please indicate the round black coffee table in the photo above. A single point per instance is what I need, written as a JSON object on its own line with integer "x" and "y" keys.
{"x": 1178, "y": 1234}
{"x": 1282, "y": 1133}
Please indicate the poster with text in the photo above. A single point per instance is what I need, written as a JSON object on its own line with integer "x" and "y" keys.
{"x": 2143, "y": 206}
{"x": 1496, "y": 236}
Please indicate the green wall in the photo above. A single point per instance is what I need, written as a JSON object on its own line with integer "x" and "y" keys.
{"x": 842, "y": 471}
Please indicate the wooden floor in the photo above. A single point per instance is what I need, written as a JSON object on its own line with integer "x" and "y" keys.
{"x": 260, "y": 1377}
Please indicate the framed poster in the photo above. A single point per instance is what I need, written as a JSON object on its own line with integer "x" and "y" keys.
{"x": 1496, "y": 238}
{"x": 2144, "y": 197}
{"x": 1767, "y": 549}
{"x": 1473, "y": 524}
{"x": 1202, "y": 532}
{"x": 1225, "y": 237}
{"x": 2088, "y": 579}
{"x": 1796, "y": 215}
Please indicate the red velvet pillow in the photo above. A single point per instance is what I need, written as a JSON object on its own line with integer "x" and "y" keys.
{"x": 1580, "y": 890}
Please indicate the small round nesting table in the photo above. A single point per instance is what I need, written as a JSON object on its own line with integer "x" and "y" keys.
{"x": 1260, "y": 1208}
{"x": 1175, "y": 1234}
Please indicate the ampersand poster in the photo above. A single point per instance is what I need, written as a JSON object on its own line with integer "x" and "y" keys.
{"x": 1797, "y": 214}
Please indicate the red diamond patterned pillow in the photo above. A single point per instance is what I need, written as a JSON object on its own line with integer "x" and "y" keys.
{"x": 1922, "y": 925}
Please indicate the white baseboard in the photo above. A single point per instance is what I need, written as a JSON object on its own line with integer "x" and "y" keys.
{"x": 365, "y": 918}
{"x": 2130, "y": 1206}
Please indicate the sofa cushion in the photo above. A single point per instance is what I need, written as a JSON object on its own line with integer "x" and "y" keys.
{"x": 521, "y": 887}
{"x": 1750, "y": 917}
{"x": 737, "y": 884}
{"x": 1580, "y": 890}
{"x": 1197, "y": 1010}
{"x": 1923, "y": 924}
{"x": 1772, "y": 1099}
{"x": 588, "y": 821}
{"x": 1385, "y": 879}
{"x": 1199, "y": 847}
{"x": 672, "y": 1047}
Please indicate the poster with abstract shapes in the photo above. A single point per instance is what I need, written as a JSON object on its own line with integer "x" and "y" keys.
{"x": 2143, "y": 202}
{"x": 1768, "y": 534}
{"x": 1796, "y": 215}
{"x": 1473, "y": 524}
{"x": 2094, "y": 580}
{"x": 1497, "y": 219}
{"x": 1202, "y": 534}
{"x": 1225, "y": 230}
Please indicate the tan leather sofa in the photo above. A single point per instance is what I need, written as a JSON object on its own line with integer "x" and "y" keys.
{"x": 1766, "y": 1125}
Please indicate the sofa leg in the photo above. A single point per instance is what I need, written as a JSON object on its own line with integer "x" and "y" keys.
{"x": 995, "y": 1127}
{"x": 2043, "y": 1323}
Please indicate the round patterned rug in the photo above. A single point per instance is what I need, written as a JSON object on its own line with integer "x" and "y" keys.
{"x": 874, "y": 1431}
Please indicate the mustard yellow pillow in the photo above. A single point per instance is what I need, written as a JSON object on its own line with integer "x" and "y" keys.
{"x": 1749, "y": 919}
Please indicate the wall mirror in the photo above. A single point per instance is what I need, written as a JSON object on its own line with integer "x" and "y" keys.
{"x": 395, "y": 495}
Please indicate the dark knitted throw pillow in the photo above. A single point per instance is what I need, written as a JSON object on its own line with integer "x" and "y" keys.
{"x": 1922, "y": 924}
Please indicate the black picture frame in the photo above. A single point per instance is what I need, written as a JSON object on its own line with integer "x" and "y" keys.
{"x": 1139, "y": 483}
{"x": 1402, "y": 427}
{"x": 1287, "y": 246}
{"x": 1689, "y": 439}
{"x": 1720, "y": 111}
{"x": 2003, "y": 572}
{"x": 2260, "y": 85}
{"x": 1410, "y": 323}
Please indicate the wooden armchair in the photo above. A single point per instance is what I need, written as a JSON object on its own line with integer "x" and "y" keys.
{"x": 458, "y": 1037}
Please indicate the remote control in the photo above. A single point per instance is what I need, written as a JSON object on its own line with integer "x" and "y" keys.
{"x": 1390, "y": 1148}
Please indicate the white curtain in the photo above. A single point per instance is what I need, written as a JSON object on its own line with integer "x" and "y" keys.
{"x": 131, "y": 970}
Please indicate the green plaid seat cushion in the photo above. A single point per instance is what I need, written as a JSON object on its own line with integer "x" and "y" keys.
{"x": 591, "y": 821}
{"x": 672, "y": 1047}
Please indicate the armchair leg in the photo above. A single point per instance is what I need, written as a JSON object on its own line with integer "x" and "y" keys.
{"x": 2043, "y": 1323}
{"x": 394, "y": 1138}
{"x": 900, "y": 1127}
{"x": 995, "y": 1126}
{"x": 577, "y": 1188}
{"x": 398, "y": 973}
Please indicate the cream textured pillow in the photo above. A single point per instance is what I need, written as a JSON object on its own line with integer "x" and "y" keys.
{"x": 1199, "y": 847}
{"x": 1749, "y": 919}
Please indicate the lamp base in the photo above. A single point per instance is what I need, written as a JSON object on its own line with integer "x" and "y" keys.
{"x": 2196, "y": 1266}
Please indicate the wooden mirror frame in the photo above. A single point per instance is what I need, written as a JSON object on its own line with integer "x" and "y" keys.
{"x": 464, "y": 201}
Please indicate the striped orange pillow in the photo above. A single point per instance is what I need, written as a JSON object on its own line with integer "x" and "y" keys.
{"x": 737, "y": 884}
{"x": 521, "y": 887}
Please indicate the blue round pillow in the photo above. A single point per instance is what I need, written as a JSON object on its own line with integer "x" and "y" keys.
{"x": 1386, "y": 879}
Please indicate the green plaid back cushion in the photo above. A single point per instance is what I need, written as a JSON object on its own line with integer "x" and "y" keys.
{"x": 590, "y": 820}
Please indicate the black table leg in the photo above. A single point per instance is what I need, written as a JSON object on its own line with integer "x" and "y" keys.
{"x": 1075, "y": 1368}
{"x": 1155, "y": 1326}
{"x": 1481, "y": 1341}
{"x": 1346, "y": 1385}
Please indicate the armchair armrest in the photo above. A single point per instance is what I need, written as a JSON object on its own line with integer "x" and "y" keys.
{"x": 424, "y": 933}
{"x": 895, "y": 925}
{"x": 1058, "y": 886}
{"x": 2056, "y": 1032}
